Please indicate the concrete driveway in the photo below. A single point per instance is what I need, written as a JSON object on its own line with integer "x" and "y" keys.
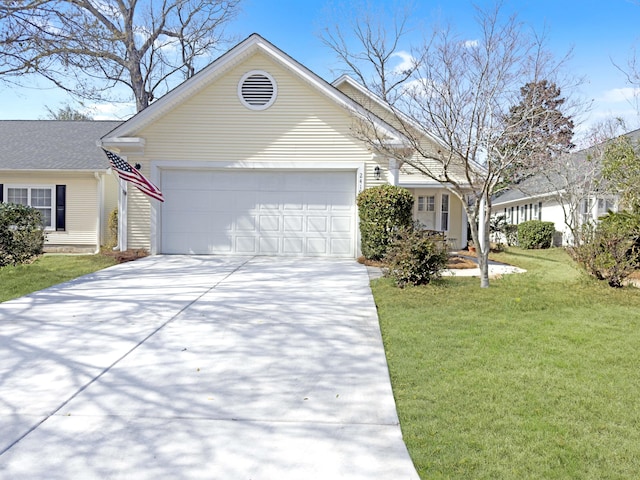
{"x": 199, "y": 367}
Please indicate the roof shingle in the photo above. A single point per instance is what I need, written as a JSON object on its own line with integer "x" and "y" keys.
{"x": 53, "y": 144}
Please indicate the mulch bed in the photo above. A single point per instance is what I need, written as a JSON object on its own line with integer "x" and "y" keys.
{"x": 455, "y": 262}
{"x": 127, "y": 255}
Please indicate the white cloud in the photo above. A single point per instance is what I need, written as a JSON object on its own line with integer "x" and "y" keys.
{"x": 471, "y": 43}
{"x": 617, "y": 95}
{"x": 110, "y": 111}
{"x": 407, "y": 62}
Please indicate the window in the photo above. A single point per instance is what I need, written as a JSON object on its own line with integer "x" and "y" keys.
{"x": 605, "y": 205}
{"x": 426, "y": 204}
{"x": 444, "y": 212}
{"x": 40, "y": 198}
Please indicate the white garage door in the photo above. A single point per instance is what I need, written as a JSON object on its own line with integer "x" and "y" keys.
{"x": 258, "y": 212}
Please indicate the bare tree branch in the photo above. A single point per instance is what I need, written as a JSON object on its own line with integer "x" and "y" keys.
{"x": 88, "y": 47}
{"x": 452, "y": 106}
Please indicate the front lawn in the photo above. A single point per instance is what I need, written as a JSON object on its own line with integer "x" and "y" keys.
{"x": 537, "y": 377}
{"x": 46, "y": 271}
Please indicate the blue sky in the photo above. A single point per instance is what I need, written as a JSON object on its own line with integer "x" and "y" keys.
{"x": 599, "y": 31}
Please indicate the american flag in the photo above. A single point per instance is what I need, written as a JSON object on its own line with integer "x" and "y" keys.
{"x": 130, "y": 174}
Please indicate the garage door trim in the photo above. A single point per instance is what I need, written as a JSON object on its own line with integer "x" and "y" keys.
{"x": 158, "y": 166}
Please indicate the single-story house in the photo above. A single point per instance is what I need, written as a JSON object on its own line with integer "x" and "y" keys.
{"x": 254, "y": 155}
{"x": 566, "y": 198}
{"x": 55, "y": 167}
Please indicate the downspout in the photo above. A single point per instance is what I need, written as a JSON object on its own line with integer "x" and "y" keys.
{"x": 122, "y": 216}
{"x": 99, "y": 222}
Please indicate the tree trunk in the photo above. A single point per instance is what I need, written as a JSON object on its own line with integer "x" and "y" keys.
{"x": 482, "y": 244}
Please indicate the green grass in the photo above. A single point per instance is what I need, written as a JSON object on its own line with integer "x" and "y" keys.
{"x": 536, "y": 377}
{"x": 48, "y": 270}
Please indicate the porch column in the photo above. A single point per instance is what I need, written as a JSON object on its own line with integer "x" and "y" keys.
{"x": 464, "y": 239}
{"x": 393, "y": 174}
{"x": 122, "y": 215}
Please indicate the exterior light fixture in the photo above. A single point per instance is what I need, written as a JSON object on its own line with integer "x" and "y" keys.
{"x": 376, "y": 172}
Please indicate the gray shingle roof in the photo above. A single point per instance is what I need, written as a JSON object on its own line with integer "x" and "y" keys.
{"x": 540, "y": 185}
{"x": 53, "y": 144}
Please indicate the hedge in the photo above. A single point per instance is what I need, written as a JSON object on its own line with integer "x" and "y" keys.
{"x": 535, "y": 234}
{"x": 383, "y": 210}
{"x": 21, "y": 233}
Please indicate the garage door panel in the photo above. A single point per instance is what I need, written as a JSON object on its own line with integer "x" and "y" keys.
{"x": 293, "y": 246}
{"x": 258, "y": 212}
{"x": 246, "y": 244}
{"x": 271, "y": 182}
{"x": 317, "y": 246}
{"x": 317, "y": 201}
{"x": 242, "y": 201}
{"x": 185, "y": 179}
{"x": 269, "y": 223}
{"x": 341, "y": 201}
{"x": 197, "y": 222}
{"x": 197, "y": 199}
{"x": 340, "y": 246}
{"x": 293, "y": 223}
{"x": 341, "y": 225}
{"x": 220, "y": 221}
{"x": 317, "y": 224}
{"x": 269, "y": 245}
{"x": 246, "y": 223}
{"x": 270, "y": 200}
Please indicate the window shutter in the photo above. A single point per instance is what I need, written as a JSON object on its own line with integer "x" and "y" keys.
{"x": 61, "y": 202}
{"x": 1, "y": 192}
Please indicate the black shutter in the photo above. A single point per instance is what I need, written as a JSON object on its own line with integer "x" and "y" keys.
{"x": 1, "y": 193}
{"x": 61, "y": 202}
{"x": 539, "y": 210}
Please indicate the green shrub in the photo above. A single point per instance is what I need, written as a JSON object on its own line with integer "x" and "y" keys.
{"x": 416, "y": 256}
{"x": 21, "y": 233}
{"x": 611, "y": 250}
{"x": 503, "y": 231}
{"x": 383, "y": 210}
{"x": 535, "y": 234}
{"x": 113, "y": 229}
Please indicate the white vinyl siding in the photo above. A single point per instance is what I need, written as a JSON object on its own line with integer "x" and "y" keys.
{"x": 301, "y": 126}
{"x": 81, "y": 209}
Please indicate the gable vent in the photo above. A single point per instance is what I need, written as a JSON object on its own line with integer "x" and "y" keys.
{"x": 257, "y": 90}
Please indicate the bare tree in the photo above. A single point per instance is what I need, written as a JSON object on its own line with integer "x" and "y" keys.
{"x": 67, "y": 113}
{"x": 88, "y": 47}
{"x": 574, "y": 180}
{"x": 453, "y": 105}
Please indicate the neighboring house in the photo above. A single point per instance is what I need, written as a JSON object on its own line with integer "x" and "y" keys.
{"x": 55, "y": 167}
{"x": 256, "y": 155}
{"x": 569, "y": 199}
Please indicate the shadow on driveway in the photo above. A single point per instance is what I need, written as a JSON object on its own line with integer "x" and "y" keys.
{"x": 200, "y": 367}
